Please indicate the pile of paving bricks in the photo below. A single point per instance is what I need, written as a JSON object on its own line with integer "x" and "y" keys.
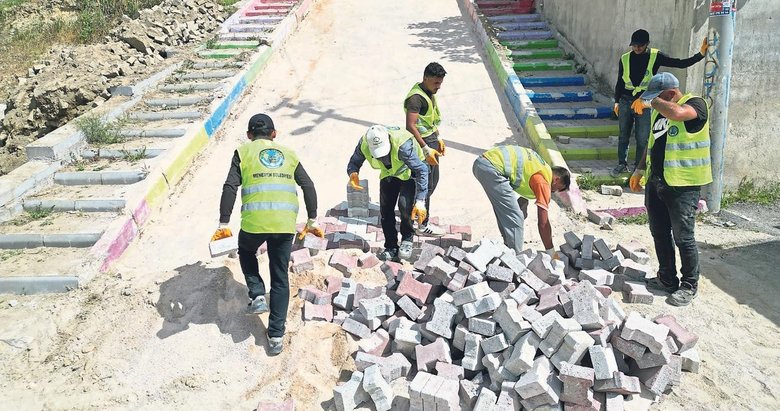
{"x": 479, "y": 327}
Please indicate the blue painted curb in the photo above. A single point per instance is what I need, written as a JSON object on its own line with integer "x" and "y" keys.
{"x": 524, "y": 25}
{"x": 515, "y": 17}
{"x": 553, "y": 81}
{"x": 525, "y": 35}
{"x": 563, "y": 97}
{"x": 574, "y": 114}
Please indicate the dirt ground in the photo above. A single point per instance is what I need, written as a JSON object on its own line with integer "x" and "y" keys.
{"x": 165, "y": 329}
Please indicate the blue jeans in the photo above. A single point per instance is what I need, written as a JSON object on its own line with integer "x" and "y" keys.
{"x": 672, "y": 216}
{"x": 628, "y": 121}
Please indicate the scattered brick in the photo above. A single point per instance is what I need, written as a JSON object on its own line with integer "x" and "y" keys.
{"x": 690, "y": 360}
{"x": 428, "y": 355}
{"x": 376, "y": 344}
{"x": 378, "y": 389}
{"x": 416, "y": 290}
{"x": 356, "y": 328}
{"x": 311, "y": 294}
{"x": 471, "y": 293}
{"x": 449, "y": 371}
{"x": 443, "y": 317}
{"x": 463, "y": 230}
{"x": 619, "y": 383}
{"x": 637, "y": 293}
{"x": 368, "y": 260}
{"x": 351, "y": 394}
{"x": 684, "y": 339}
{"x": 343, "y": 262}
{"x": 645, "y": 332}
{"x": 288, "y": 405}
{"x": 314, "y": 243}
{"x": 317, "y": 312}
{"x": 574, "y": 347}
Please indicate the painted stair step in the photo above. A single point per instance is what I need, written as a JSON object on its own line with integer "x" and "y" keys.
{"x": 270, "y": 20}
{"x": 488, "y": 12}
{"x": 535, "y": 54}
{"x": 154, "y": 133}
{"x": 523, "y": 26}
{"x": 242, "y": 36}
{"x": 580, "y": 129}
{"x": 508, "y": 18}
{"x": 529, "y": 44}
{"x": 185, "y": 87}
{"x": 574, "y": 113}
{"x": 592, "y": 153}
{"x": 35, "y": 240}
{"x": 91, "y": 205}
{"x": 525, "y": 35}
{"x": 218, "y": 74}
{"x": 106, "y": 177}
{"x": 164, "y": 115}
{"x": 274, "y": 7}
{"x": 553, "y": 81}
{"x": 236, "y": 45}
{"x": 547, "y": 65}
{"x": 220, "y": 54}
{"x": 251, "y": 28}
{"x": 178, "y": 102}
{"x": 253, "y": 13}
{"x": 120, "y": 154}
{"x": 208, "y": 64}
{"x": 560, "y": 97}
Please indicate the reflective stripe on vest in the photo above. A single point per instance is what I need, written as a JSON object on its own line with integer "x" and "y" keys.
{"x": 686, "y": 155}
{"x": 517, "y": 164}
{"x": 397, "y": 168}
{"x": 426, "y": 124}
{"x": 269, "y": 197}
{"x": 648, "y": 72}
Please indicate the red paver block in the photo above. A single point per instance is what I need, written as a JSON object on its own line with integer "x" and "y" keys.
{"x": 343, "y": 262}
{"x": 334, "y": 284}
{"x": 605, "y": 290}
{"x": 311, "y": 294}
{"x": 428, "y": 355}
{"x": 317, "y": 312}
{"x": 368, "y": 260}
{"x": 684, "y": 339}
{"x": 376, "y": 344}
{"x": 301, "y": 261}
{"x": 416, "y": 290}
{"x": 288, "y": 405}
{"x": 463, "y": 230}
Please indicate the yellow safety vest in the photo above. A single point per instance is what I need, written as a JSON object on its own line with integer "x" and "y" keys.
{"x": 648, "y": 72}
{"x": 518, "y": 164}
{"x": 426, "y": 124}
{"x": 687, "y": 155}
{"x": 269, "y": 196}
{"x": 397, "y": 168}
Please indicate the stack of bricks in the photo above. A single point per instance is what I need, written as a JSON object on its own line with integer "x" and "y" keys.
{"x": 485, "y": 328}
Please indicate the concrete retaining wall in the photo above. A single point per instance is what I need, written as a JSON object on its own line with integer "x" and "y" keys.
{"x": 600, "y": 30}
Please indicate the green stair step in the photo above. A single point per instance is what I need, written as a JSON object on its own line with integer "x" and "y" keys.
{"x": 535, "y": 54}
{"x": 220, "y": 54}
{"x": 585, "y": 131}
{"x": 529, "y": 44}
{"x": 555, "y": 65}
{"x": 600, "y": 153}
{"x": 240, "y": 44}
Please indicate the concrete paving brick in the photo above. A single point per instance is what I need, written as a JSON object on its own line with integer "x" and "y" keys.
{"x": 640, "y": 329}
{"x": 684, "y": 339}
{"x": 483, "y": 255}
{"x": 459, "y": 335}
{"x": 605, "y": 290}
{"x": 656, "y": 379}
{"x": 487, "y": 303}
{"x": 458, "y": 281}
{"x": 498, "y": 273}
{"x": 586, "y": 306}
{"x": 334, "y": 285}
{"x": 463, "y": 230}
{"x": 428, "y": 355}
{"x": 494, "y": 344}
{"x": 574, "y": 347}
{"x": 378, "y": 389}
{"x": 440, "y": 270}
{"x": 548, "y": 300}
{"x": 593, "y": 405}
{"x": 619, "y": 383}
{"x": 542, "y": 326}
{"x": 522, "y": 357}
{"x": 539, "y": 380}
{"x": 313, "y": 295}
{"x": 301, "y": 261}
{"x": 390, "y": 270}
{"x": 508, "y": 398}
{"x": 314, "y": 243}
{"x": 317, "y": 312}
{"x": 612, "y": 311}
{"x": 469, "y": 392}
{"x": 632, "y": 349}
{"x": 472, "y": 358}
{"x": 447, "y": 398}
{"x": 510, "y": 260}
{"x": 586, "y": 251}
{"x": 557, "y": 332}
{"x": 577, "y": 381}
{"x": 368, "y": 260}
{"x": 584, "y": 263}
{"x": 339, "y": 317}
{"x": 346, "y": 296}
{"x": 376, "y": 344}
{"x": 640, "y": 257}
{"x": 451, "y": 240}
{"x": 443, "y": 318}
{"x": 449, "y": 371}
{"x": 372, "y": 308}
{"x": 572, "y": 240}
{"x": 418, "y": 384}
{"x": 416, "y": 290}
{"x": 650, "y": 359}
{"x": 455, "y": 253}
{"x": 356, "y": 328}
{"x": 597, "y": 276}
{"x": 502, "y": 288}
{"x": 483, "y": 325}
{"x": 427, "y": 252}
{"x": 544, "y": 267}
{"x": 565, "y": 301}
{"x": 471, "y": 293}
{"x": 350, "y": 395}
{"x": 603, "y": 335}
{"x": 529, "y": 313}
{"x": 637, "y": 293}
{"x": 344, "y": 262}
{"x": 392, "y": 367}
{"x": 524, "y": 294}
{"x": 603, "y": 249}
{"x": 676, "y": 369}
{"x": 633, "y": 270}
{"x": 288, "y": 405}
{"x": 614, "y": 402}
{"x": 409, "y": 308}
{"x": 690, "y": 360}
{"x": 532, "y": 280}
{"x": 508, "y": 316}
{"x": 406, "y": 341}
{"x": 486, "y": 401}
{"x": 475, "y": 277}
{"x": 603, "y": 360}
{"x": 492, "y": 364}
{"x": 429, "y": 391}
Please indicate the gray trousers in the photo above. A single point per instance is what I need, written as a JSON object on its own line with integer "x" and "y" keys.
{"x": 504, "y": 201}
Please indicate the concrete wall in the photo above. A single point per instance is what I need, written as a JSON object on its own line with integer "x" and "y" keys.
{"x": 600, "y": 30}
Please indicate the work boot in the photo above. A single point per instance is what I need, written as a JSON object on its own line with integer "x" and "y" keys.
{"x": 683, "y": 296}
{"x": 258, "y": 306}
{"x": 405, "y": 251}
{"x": 430, "y": 230}
{"x": 275, "y": 345}
{"x": 389, "y": 255}
{"x": 621, "y": 168}
{"x": 656, "y": 284}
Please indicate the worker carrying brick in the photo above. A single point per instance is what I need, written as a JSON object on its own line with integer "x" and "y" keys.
{"x": 635, "y": 69}
{"x": 403, "y": 180}
{"x": 675, "y": 166}
{"x": 422, "y": 120}
{"x": 508, "y": 171}
{"x": 268, "y": 174}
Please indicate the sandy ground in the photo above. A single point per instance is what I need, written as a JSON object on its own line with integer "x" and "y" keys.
{"x": 165, "y": 329}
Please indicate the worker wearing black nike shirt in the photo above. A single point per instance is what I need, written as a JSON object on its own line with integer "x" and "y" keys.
{"x": 635, "y": 69}
{"x": 677, "y": 161}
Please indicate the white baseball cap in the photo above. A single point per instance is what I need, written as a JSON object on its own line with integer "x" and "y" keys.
{"x": 378, "y": 139}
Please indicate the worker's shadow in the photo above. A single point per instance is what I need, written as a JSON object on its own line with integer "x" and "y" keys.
{"x": 204, "y": 295}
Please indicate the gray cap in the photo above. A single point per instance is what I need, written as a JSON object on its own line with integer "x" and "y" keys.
{"x": 659, "y": 83}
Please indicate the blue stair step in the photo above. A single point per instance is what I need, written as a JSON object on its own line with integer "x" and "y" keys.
{"x": 560, "y": 96}
{"x": 525, "y": 35}
{"x": 553, "y": 81}
{"x": 515, "y": 17}
{"x": 574, "y": 113}
{"x": 523, "y": 25}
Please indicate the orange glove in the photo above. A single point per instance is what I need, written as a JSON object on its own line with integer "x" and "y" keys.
{"x": 419, "y": 212}
{"x": 354, "y": 181}
{"x": 640, "y": 105}
{"x": 311, "y": 227}
{"x": 222, "y": 232}
{"x": 430, "y": 155}
{"x": 635, "y": 183}
{"x": 442, "y": 147}
{"x": 704, "y": 46}
{"x": 615, "y": 109}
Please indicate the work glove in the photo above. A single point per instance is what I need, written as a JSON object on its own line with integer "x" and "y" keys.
{"x": 704, "y": 46}
{"x": 430, "y": 155}
{"x": 552, "y": 253}
{"x": 615, "y": 109}
{"x": 640, "y": 105}
{"x": 223, "y": 231}
{"x": 419, "y": 212}
{"x": 354, "y": 181}
{"x": 442, "y": 147}
{"x": 635, "y": 183}
{"x": 311, "y": 227}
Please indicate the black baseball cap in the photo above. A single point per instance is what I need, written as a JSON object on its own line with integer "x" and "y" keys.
{"x": 639, "y": 37}
{"x": 260, "y": 122}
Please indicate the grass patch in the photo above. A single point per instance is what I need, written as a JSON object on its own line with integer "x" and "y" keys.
{"x": 97, "y": 17}
{"x": 134, "y": 156}
{"x": 748, "y": 192}
{"x": 99, "y": 132}
{"x": 39, "y": 213}
{"x": 639, "y": 219}
{"x": 6, "y": 8}
{"x": 7, "y": 254}
{"x": 586, "y": 181}
{"x": 212, "y": 42}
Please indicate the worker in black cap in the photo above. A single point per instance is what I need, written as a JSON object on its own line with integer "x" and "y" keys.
{"x": 635, "y": 69}
{"x": 268, "y": 174}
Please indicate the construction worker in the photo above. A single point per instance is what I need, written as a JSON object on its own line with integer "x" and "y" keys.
{"x": 635, "y": 69}
{"x": 267, "y": 173}
{"x": 422, "y": 120}
{"x": 677, "y": 162}
{"x": 403, "y": 179}
{"x": 505, "y": 171}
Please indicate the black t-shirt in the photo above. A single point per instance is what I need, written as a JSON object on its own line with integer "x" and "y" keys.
{"x": 417, "y": 104}
{"x": 659, "y": 131}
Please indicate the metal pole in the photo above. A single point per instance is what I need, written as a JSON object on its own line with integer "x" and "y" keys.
{"x": 717, "y": 80}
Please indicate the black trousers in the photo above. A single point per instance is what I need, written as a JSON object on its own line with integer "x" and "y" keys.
{"x": 433, "y": 176}
{"x": 279, "y": 247}
{"x": 393, "y": 191}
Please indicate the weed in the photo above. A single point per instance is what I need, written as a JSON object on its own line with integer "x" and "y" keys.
{"x": 47, "y": 222}
{"x": 211, "y": 43}
{"x": 99, "y": 132}
{"x": 39, "y": 213}
{"x": 7, "y": 254}
{"x": 7, "y": 8}
{"x": 225, "y": 3}
{"x": 78, "y": 162}
{"x": 639, "y": 219}
{"x": 586, "y": 181}
{"x": 748, "y": 192}
{"x": 134, "y": 156}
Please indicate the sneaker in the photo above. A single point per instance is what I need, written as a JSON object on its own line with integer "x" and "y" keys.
{"x": 430, "y": 230}
{"x": 258, "y": 305}
{"x": 275, "y": 345}
{"x": 389, "y": 255}
{"x": 656, "y": 285}
{"x": 621, "y": 168}
{"x": 405, "y": 251}
{"x": 683, "y": 296}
